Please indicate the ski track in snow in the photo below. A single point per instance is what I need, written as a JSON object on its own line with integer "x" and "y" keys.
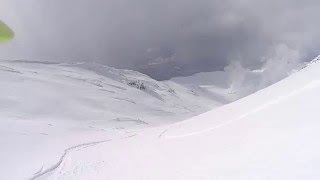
{"x": 41, "y": 173}
{"x": 311, "y": 85}
{"x": 84, "y": 93}
{"x": 173, "y": 103}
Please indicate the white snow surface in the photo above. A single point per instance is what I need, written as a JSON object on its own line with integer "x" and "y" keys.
{"x": 47, "y": 108}
{"x": 271, "y": 134}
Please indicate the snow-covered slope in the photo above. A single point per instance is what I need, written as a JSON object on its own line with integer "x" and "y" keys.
{"x": 62, "y": 91}
{"x": 46, "y": 108}
{"x": 271, "y": 134}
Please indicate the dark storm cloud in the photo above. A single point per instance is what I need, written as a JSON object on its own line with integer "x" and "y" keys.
{"x": 162, "y": 38}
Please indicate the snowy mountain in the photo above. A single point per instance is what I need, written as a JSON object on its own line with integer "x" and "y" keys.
{"x": 271, "y": 134}
{"x": 48, "y": 107}
{"x": 64, "y": 90}
{"x": 88, "y": 121}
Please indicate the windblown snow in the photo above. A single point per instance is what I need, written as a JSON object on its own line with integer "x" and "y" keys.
{"x": 87, "y": 121}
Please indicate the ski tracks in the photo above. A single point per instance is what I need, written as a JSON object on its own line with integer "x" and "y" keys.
{"x": 311, "y": 85}
{"x": 60, "y": 163}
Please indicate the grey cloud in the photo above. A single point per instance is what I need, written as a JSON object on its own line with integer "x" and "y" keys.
{"x": 162, "y": 38}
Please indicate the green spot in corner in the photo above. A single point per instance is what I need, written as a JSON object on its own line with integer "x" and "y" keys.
{"x": 6, "y": 34}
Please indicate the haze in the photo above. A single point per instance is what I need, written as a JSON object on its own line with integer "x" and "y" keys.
{"x": 163, "y": 38}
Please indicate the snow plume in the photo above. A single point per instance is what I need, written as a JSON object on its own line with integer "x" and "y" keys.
{"x": 236, "y": 73}
{"x": 280, "y": 63}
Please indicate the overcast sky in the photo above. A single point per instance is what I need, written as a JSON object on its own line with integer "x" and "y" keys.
{"x": 162, "y": 38}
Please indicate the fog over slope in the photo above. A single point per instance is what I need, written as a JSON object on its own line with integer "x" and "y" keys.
{"x": 164, "y": 38}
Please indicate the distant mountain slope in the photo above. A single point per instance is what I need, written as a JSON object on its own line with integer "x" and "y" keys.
{"x": 271, "y": 134}
{"x": 38, "y": 90}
